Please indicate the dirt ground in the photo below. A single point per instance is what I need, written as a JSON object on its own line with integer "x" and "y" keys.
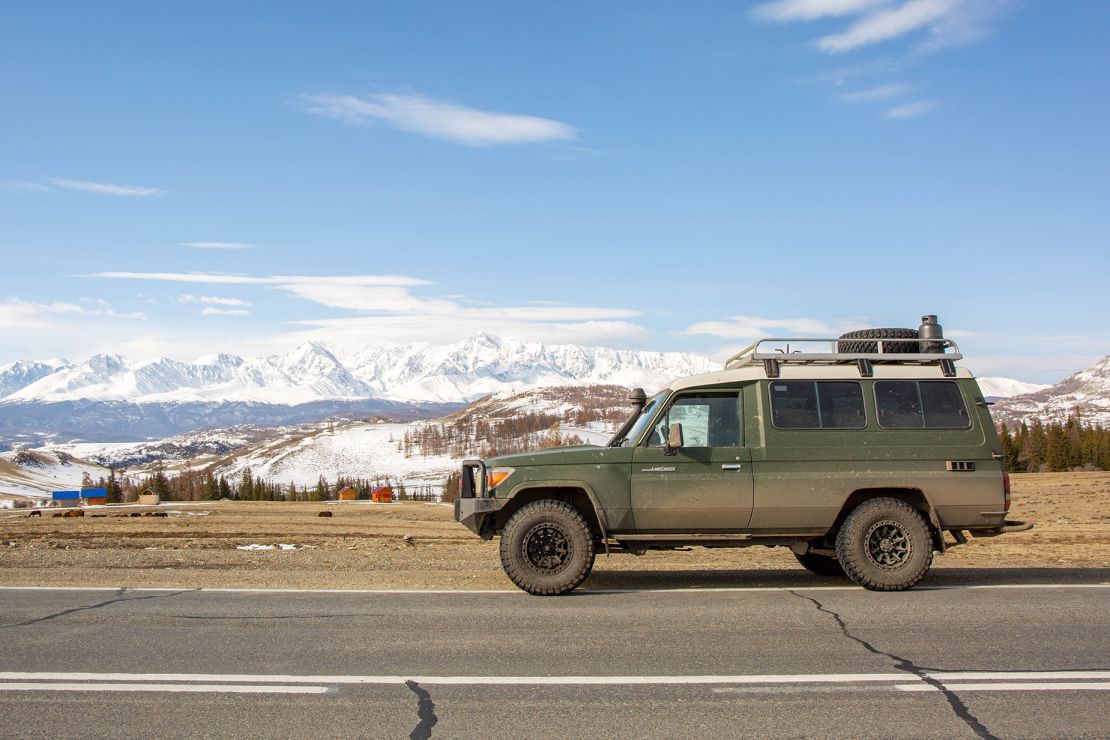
{"x": 365, "y": 546}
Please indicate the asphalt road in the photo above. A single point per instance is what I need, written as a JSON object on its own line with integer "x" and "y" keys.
{"x": 1005, "y": 660}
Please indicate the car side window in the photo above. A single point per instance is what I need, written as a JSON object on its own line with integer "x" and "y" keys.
{"x": 926, "y": 404}
{"x": 805, "y": 404}
{"x": 707, "y": 419}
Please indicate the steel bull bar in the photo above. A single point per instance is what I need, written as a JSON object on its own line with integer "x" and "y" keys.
{"x": 474, "y": 505}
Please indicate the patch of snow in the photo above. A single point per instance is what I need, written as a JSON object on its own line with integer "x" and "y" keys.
{"x": 1007, "y": 387}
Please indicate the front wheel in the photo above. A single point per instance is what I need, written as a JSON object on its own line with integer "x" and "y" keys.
{"x": 885, "y": 545}
{"x": 547, "y": 548}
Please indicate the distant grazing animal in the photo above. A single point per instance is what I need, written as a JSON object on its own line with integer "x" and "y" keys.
{"x": 35, "y": 513}
{"x": 134, "y": 513}
{"x": 324, "y": 513}
{"x": 160, "y": 513}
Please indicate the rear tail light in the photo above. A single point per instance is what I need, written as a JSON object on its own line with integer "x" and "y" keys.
{"x": 1006, "y": 492}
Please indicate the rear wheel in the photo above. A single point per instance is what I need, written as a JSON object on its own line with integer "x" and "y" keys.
{"x": 885, "y": 545}
{"x": 547, "y": 548}
{"x": 822, "y": 565}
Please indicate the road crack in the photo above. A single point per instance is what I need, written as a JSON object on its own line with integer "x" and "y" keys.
{"x": 117, "y": 599}
{"x": 905, "y": 664}
{"x": 425, "y": 712}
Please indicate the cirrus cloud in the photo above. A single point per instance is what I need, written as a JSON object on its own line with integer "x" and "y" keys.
{"x": 388, "y": 308}
{"x": 436, "y": 119}
{"x": 103, "y": 188}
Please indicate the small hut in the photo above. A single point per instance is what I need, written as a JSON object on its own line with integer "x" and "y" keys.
{"x": 347, "y": 494}
{"x": 94, "y": 496}
{"x": 65, "y": 498}
{"x": 149, "y": 498}
{"x": 382, "y": 495}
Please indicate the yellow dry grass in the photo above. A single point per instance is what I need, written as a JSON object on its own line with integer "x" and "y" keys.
{"x": 363, "y": 546}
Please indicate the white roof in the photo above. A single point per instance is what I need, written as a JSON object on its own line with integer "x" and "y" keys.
{"x": 789, "y": 371}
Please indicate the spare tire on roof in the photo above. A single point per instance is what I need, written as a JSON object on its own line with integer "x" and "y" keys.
{"x": 871, "y": 347}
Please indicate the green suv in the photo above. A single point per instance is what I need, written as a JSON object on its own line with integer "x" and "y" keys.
{"x": 859, "y": 458}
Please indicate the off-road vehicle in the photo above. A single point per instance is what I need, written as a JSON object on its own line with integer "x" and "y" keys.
{"x": 860, "y": 458}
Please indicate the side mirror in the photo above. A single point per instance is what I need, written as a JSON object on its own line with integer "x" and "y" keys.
{"x": 674, "y": 440}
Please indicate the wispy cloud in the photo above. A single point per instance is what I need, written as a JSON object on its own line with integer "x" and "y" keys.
{"x": 809, "y": 10}
{"x": 928, "y": 25}
{"x": 23, "y": 186}
{"x": 212, "y": 311}
{"x": 947, "y": 22}
{"x": 387, "y": 308}
{"x": 437, "y": 119}
{"x": 16, "y": 313}
{"x": 910, "y": 110}
{"x": 102, "y": 188}
{"x": 755, "y": 327}
{"x": 101, "y": 307}
{"x": 217, "y": 245}
{"x": 211, "y": 300}
{"x": 223, "y": 278}
{"x": 875, "y": 94}
{"x": 886, "y": 24}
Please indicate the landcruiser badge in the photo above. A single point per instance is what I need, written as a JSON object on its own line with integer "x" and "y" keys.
{"x": 658, "y": 469}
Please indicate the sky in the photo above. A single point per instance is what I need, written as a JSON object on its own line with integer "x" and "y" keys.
{"x": 183, "y": 178}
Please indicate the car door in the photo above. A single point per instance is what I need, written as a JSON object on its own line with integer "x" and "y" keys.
{"x": 706, "y": 486}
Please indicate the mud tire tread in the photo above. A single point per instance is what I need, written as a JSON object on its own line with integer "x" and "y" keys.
{"x": 850, "y": 545}
{"x": 575, "y": 527}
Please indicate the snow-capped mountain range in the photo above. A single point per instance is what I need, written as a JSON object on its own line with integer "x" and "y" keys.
{"x": 1087, "y": 391}
{"x": 109, "y": 398}
{"x": 470, "y": 369}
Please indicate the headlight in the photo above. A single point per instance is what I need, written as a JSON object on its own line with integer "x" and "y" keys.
{"x": 494, "y": 476}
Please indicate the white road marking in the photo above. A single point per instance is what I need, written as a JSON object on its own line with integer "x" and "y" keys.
{"x": 755, "y": 679}
{"x": 961, "y": 687}
{"x": 190, "y": 688}
{"x": 944, "y": 676}
{"x": 582, "y": 591}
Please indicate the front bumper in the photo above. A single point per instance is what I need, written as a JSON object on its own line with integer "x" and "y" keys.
{"x": 472, "y": 513}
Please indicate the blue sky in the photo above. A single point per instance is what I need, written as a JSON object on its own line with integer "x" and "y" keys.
{"x": 183, "y": 178}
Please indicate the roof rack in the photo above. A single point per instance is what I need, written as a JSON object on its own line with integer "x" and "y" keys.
{"x": 942, "y": 352}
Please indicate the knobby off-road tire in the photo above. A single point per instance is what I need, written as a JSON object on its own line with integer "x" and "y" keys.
{"x": 822, "y": 565}
{"x": 871, "y": 347}
{"x": 547, "y": 548}
{"x": 885, "y": 545}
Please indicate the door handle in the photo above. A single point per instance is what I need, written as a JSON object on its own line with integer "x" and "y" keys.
{"x": 732, "y": 466}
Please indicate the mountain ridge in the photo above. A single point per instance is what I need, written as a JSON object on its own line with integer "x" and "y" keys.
{"x": 460, "y": 372}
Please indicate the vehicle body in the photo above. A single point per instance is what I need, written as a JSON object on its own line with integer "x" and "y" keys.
{"x": 860, "y": 461}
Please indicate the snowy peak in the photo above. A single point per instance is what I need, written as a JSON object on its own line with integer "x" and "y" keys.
{"x": 996, "y": 388}
{"x": 18, "y": 375}
{"x": 1086, "y": 392}
{"x": 482, "y": 364}
{"x": 476, "y": 366}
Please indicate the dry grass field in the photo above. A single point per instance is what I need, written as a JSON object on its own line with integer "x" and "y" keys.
{"x": 365, "y": 546}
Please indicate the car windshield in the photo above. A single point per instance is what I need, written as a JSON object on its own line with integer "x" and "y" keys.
{"x": 643, "y": 419}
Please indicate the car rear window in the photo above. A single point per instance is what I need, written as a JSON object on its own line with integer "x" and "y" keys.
{"x": 920, "y": 404}
{"x": 805, "y": 404}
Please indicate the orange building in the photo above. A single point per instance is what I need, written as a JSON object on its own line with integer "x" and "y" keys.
{"x": 348, "y": 494}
